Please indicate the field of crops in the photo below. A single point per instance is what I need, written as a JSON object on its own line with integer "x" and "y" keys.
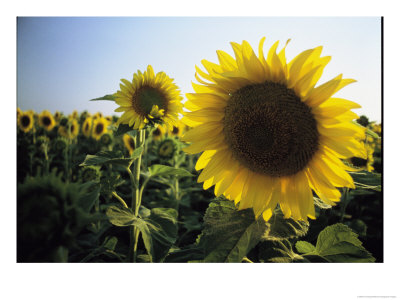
{"x": 92, "y": 190}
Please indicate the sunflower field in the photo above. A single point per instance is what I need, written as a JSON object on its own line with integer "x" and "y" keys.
{"x": 260, "y": 164}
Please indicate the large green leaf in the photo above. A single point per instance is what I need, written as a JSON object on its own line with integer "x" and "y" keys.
{"x": 229, "y": 234}
{"x": 110, "y": 97}
{"x": 279, "y": 228}
{"x": 89, "y": 196}
{"x": 161, "y": 170}
{"x": 304, "y": 247}
{"x": 112, "y": 157}
{"x": 278, "y": 251}
{"x": 338, "y": 243}
{"x": 159, "y": 232}
{"x": 121, "y": 216}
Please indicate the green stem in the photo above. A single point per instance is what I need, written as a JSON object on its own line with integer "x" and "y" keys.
{"x": 345, "y": 202}
{"x": 136, "y": 195}
{"x": 120, "y": 199}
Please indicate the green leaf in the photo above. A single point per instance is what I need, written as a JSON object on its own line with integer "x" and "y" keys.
{"x": 304, "y": 247}
{"x": 161, "y": 170}
{"x": 367, "y": 180}
{"x": 278, "y": 251}
{"x": 121, "y": 216}
{"x": 279, "y": 228}
{"x": 112, "y": 157}
{"x": 159, "y": 232}
{"x": 90, "y": 196}
{"x": 122, "y": 129}
{"x": 110, "y": 97}
{"x": 110, "y": 243}
{"x": 338, "y": 243}
{"x": 186, "y": 255}
{"x": 229, "y": 234}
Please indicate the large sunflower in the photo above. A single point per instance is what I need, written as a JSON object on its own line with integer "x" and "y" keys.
{"x": 148, "y": 97}
{"x": 268, "y": 134}
{"x": 46, "y": 120}
{"x": 25, "y": 121}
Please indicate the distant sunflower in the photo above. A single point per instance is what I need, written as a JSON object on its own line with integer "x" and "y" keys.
{"x": 367, "y": 163}
{"x": 129, "y": 143}
{"x": 25, "y": 121}
{"x": 167, "y": 148}
{"x": 99, "y": 128}
{"x": 97, "y": 115}
{"x": 109, "y": 119}
{"x": 74, "y": 114}
{"x": 148, "y": 98}
{"x": 57, "y": 116}
{"x": 158, "y": 133}
{"x": 46, "y": 120}
{"x": 87, "y": 127}
{"x": 177, "y": 130}
{"x": 268, "y": 134}
{"x": 73, "y": 130}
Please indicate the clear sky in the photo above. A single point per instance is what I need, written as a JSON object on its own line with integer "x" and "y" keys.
{"x": 64, "y": 62}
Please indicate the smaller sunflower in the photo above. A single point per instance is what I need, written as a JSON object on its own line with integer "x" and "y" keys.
{"x": 73, "y": 130}
{"x": 87, "y": 127}
{"x": 46, "y": 120}
{"x": 148, "y": 98}
{"x": 177, "y": 131}
{"x": 57, "y": 116}
{"x": 97, "y": 115}
{"x": 129, "y": 143}
{"x": 99, "y": 128}
{"x": 158, "y": 133}
{"x": 109, "y": 119}
{"x": 74, "y": 114}
{"x": 25, "y": 121}
{"x": 365, "y": 164}
{"x": 167, "y": 149}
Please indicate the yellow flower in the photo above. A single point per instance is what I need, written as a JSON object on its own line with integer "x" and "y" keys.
{"x": 25, "y": 121}
{"x": 46, "y": 120}
{"x": 109, "y": 119}
{"x": 19, "y": 111}
{"x": 177, "y": 130}
{"x": 57, "y": 116}
{"x": 148, "y": 98}
{"x": 74, "y": 114}
{"x": 99, "y": 127}
{"x": 73, "y": 129}
{"x": 129, "y": 143}
{"x": 158, "y": 132}
{"x": 367, "y": 163}
{"x": 87, "y": 127}
{"x": 97, "y": 115}
{"x": 268, "y": 134}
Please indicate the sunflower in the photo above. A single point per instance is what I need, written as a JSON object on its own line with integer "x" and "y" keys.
{"x": 129, "y": 143}
{"x": 25, "y": 121}
{"x": 177, "y": 130}
{"x": 109, "y": 119}
{"x": 57, "y": 116}
{"x": 158, "y": 132}
{"x": 148, "y": 98}
{"x": 87, "y": 127}
{"x": 268, "y": 134}
{"x": 167, "y": 148}
{"x": 97, "y": 115}
{"x": 46, "y": 120}
{"x": 19, "y": 111}
{"x": 99, "y": 128}
{"x": 367, "y": 163}
{"x": 73, "y": 130}
{"x": 74, "y": 114}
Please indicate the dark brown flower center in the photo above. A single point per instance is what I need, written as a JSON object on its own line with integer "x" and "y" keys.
{"x": 25, "y": 121}
{"x": 131, "y": 143}
{"x": 175, "y": 130}
{"x": 144, "y": 99}
{"x": 46, "y": 121}
{"x": 99, "y": 128}
{"x": 270, "y": 130}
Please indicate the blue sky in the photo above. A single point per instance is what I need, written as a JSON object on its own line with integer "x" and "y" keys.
{"x": 64, "y": 62}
